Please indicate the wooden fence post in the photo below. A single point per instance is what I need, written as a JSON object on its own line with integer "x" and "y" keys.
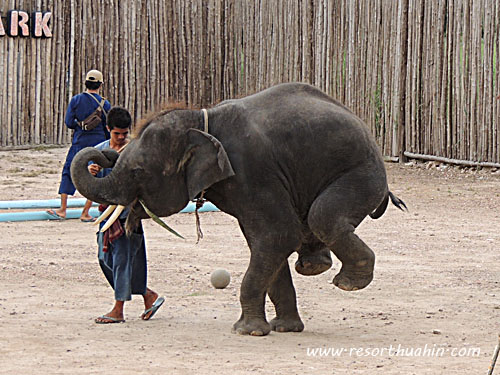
{"x": 403, "y": 51}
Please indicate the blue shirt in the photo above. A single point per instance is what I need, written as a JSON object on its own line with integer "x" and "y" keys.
{"x": 80, "y": 107}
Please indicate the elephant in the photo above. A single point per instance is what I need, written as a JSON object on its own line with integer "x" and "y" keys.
{"x": 296, "y": 168}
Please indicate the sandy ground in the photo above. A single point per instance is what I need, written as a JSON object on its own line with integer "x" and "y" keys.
{"x": 435, "y": 296}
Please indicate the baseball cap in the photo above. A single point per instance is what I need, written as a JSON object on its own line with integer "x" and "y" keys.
{"x": 94, "y": 76}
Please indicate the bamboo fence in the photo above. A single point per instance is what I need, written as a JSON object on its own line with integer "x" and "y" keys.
{"x": 423, "y": 74}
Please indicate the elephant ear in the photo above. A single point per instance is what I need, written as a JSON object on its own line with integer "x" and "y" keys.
{"x": 206, "y": 162}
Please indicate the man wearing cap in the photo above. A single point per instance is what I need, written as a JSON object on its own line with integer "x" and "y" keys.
{"x": 80, "y": 108}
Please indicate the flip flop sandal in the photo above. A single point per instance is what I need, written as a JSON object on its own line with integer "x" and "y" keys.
{"x": 108, "y": 320}
{"x": 153, "y": 309}
{"x": 53, "y": 214}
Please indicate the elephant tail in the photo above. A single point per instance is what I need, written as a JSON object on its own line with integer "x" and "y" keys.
{"x": 383, "y": 206}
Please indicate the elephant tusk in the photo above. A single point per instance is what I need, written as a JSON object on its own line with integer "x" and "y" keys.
{"x": 105, "y": 214}
{"x": 119, "y": 209}
{"x": 159, "y": 221}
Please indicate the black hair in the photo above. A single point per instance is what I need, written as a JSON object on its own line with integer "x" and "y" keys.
{"x": 119, "y": 117}
{"x": 91, "y": 85}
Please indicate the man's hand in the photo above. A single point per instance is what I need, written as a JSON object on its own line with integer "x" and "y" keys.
{"x": 94, "y": 169}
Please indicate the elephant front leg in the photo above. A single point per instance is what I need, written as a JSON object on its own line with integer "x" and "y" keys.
{"x": 260, "y": 273}
{"x": 252, "y": 298}
{"x": 282, "y": 294}
{"x": 271, "y": 240}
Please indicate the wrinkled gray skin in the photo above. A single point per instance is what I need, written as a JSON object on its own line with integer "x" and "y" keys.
{"x": 296, "y": 168}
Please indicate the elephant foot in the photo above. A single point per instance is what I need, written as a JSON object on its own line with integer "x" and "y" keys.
{"x": 252, "y": 327}
{"x": 353, "y": 278}
{"x": 314, "y": 263}
{"x": 287, "y": 325}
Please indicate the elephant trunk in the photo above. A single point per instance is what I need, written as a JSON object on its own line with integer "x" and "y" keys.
{"x": 101, "y": 190}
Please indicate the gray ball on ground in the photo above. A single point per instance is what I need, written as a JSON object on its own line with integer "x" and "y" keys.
{"x": 220, "y": 279}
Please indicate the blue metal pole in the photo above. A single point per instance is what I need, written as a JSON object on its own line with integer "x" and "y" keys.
{"x": 48, "y": 203}
{"x": 75, "y": 213}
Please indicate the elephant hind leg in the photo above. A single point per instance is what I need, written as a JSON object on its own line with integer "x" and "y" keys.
{"x": 358, "y": 261}
{"x": 334, "y": 216}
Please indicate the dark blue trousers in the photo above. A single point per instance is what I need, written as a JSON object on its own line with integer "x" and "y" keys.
{"x": 124, "y": 265}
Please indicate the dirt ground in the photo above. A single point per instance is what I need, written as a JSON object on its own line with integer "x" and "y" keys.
{"x": 432, "y": 308}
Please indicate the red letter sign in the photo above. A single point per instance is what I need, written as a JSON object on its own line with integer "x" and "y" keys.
{"x": 41, "y": 24}
{"x": 19, "y": 20}
{"x": 2, "y": 30}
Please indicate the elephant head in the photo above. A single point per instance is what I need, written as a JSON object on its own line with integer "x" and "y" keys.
{"x": 165, "y": 165}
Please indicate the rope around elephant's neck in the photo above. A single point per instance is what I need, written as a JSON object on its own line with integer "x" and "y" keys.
{"x": 199, "y": 204}
{"x": 205, "y": 120}
{"x": 200, "y": 201}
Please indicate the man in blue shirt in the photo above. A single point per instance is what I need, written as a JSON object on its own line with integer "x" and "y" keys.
{"x": 123, "y": 258}
{"x": 80, "y": 107}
